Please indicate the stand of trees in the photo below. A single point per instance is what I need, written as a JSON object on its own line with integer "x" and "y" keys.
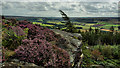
{"x": 96, "y": 37}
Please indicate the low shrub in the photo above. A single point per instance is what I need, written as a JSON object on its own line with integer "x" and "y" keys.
{"x": 11, "y": 39}
{"x": 97, "y": 55}
{"x": 6, "y": 54}
{"x": 42, "y": 53}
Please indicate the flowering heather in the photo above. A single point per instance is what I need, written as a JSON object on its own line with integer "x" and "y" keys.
{"x": 36, "y": 31}
{"x": 0, "y": 21}
{"x": 3, "y": 54}
{"x": 18, "y": 30}
{"x": 42, "y": 53}
{"x": 61, "y": 57}
{"x": 40, "y": 32}
{"x": 36, "y": 48}
{"x": 24, "y": 22}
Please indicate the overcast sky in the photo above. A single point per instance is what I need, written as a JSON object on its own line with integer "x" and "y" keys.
{"x": 50, "y": 8}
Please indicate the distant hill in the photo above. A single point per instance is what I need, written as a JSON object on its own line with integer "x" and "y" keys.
{"x": 77, "y": 19}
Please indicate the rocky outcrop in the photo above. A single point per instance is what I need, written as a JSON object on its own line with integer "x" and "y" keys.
{"x": 71, "y": 42}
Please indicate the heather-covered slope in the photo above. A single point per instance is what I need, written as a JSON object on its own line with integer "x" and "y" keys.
{"x": 29, "y": 43}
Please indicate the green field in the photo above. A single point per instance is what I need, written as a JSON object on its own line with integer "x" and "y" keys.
{"x": 85, "y": 26}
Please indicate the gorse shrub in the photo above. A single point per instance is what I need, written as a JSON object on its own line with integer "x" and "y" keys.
{"x": 42, "y": 53}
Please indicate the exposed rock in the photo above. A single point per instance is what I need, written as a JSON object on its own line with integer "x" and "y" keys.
{"x": 15, "y": 60}
{"x": 70, "y": 42}
{"x": 15, "y": 63}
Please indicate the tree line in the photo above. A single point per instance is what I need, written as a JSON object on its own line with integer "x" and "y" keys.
{"x": 97, "y": 37}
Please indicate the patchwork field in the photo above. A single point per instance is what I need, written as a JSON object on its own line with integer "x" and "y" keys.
{"x": 79, "y": 25}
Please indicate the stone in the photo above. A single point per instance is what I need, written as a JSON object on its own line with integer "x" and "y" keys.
{"x": 71, "y": 43}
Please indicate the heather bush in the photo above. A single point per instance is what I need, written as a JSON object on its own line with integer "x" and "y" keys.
{"x": 9, "y": 22}
{"x": 4, "y": 25}
{"x": 61, "y": 57}
{"x": 42, "y": 53}
{"x": 10, "y": 39}
{"x": 23, "y": 22}
{"x": 41, "y": 33}
{"x": 0, "y": 58}
{"x": 3, "y": 54}
{"x": 18, "y": 30}
{"x": 34, "y": 49}
{"x": 6, "y": 54}
{"x": 36, "y": 31}
{"x": 13, "y": 22}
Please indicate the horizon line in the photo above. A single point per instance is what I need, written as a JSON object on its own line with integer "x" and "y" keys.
{"x": 50, "y": 16}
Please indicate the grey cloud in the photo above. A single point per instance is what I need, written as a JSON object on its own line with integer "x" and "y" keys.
{"x": 89, "y": 7}
{"x": 73, "y": 5}
{"x": 6, "y": 5}
{"x": 51, "y": 8}
{"x": 101, "y": 7}
{"x": 66, "y": 9}
{"x": 37, "y": 8}
{"x": 62, "y": 0}
{"x": 41, "y": 6}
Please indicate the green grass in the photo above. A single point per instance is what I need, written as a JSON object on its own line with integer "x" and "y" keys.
{"x": 112, "y": 25}
{"x": 43, "y": 24}
{"x": 56, "y": 22}
{"x": 85, "y": 27}
{"x": 103, "y": 23}
{"x": 108, "y": 26}
{"x": 40, "y": 20}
